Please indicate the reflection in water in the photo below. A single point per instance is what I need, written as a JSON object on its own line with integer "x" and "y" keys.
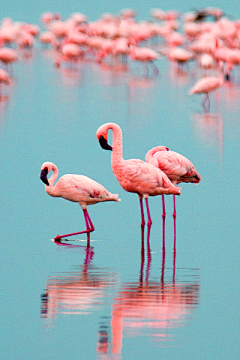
{"x": 209, "y": 128}
{"x": 78, "y": 292}
{"x": 4, "y": 101}
{"x": 152, "y": 307}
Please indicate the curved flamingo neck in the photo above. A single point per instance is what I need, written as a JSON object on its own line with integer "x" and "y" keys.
{"x": 51, "y": 189}
{"x": 154, "y": 150}
{"x": 117, "y": 143}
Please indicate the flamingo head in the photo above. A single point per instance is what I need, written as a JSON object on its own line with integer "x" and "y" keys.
{"x": 45, "y": 170}
{"x": 102, "y": 136}
{"x": 43, "y": 175}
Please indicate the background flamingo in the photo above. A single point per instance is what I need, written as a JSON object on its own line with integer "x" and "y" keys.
{"x": 76, "y": 188}
{"x": 206, "y": 85}
{"x": 135, "y": 175}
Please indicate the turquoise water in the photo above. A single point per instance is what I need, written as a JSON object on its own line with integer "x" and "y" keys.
{"x": 108, "y": 302}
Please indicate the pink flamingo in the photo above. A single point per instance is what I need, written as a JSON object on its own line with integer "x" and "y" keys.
{"x": 76, "y": 188}
{"x": 146, "y": 56}
{"x": 176, "y": 166}
{"x": 8, "y": 56}
{"x": 135, "y": 175}
{"x": 206, "y": 85}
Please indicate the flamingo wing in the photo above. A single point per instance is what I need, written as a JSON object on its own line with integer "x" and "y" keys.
{"x": 80, "y": 188}
{"x": 142, "y": 177}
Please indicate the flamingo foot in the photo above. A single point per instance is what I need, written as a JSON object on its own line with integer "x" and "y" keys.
{"x": 59, "y": 237}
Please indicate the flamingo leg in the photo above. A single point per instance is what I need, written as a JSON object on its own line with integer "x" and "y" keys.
{"x": 142, "y": 212}
{"x": 149, "y": 223}
{"x": 163, "y": 207}
{"x": 206, "y": 100}
{"x": 174, "y": 252}
{"x": 174, "y": 206}
{"x": 89, "y": 228}
{"x": 155, "y": 68}
{"x": 163, "y": 254}
{"x": 163, "y": 235}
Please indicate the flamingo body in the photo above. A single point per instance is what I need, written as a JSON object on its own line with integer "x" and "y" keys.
{"x": 206, "y": 85}
{"x": 176, "y": 166}
{"x": 76, "y": 188}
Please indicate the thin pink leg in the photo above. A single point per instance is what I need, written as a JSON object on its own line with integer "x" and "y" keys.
{"x": 174, "y": 206}
{"x": 142, "y": 213}
{"x": 163, "y": 235}
{"x": 163, "y": 266}
{"x": 149, "y": 223}
{"x": 163, "y": 207}
{"x": 174, "y": 225}
{"x": 174, "y": 259}
{"x": 89, "y": 226}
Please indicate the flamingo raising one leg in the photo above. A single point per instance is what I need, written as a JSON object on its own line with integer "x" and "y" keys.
{"x": 76, "y": 188}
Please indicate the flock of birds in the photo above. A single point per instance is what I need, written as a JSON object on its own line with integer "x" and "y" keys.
{"x": 158, "y": 175}
{"x": 205, "y": 36}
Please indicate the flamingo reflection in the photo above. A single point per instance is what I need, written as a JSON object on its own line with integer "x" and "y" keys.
{"x": 155, "y": 307}
{"x": 209, "y": 128}
{"x": 77, "y": 292}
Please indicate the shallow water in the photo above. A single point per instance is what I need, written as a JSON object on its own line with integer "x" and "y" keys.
{"x": 117, "y": 300}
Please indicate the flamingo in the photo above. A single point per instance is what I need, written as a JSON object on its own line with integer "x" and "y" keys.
{"x": 206, "y": 85}
{"x": 76, "y": 188}
{"x": 176, "y": 166}
{"x": 8, "y": 56}
{"x": 135, "y": 175}
{"x": 145, "y": 55}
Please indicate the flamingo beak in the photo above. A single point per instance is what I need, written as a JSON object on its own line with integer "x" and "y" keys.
{"x": 104, "y": 144}
{"x": 43, "y": 176}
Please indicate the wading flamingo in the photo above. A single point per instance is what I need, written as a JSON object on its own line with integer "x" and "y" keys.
{"x": 135, "y": 175}
{"x": 76, "y": 188}
{"x": 206, "y": 85}
{"x": 176, "y": 166}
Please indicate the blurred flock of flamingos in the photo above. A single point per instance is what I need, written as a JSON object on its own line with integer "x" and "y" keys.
{"x": 202, "y": 46}
{"x": 206, "y": 37}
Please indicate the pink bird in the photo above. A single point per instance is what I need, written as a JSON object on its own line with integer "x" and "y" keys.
{"x": 76, "y": 188}
{"x": 206, "y": 85}
{"x": 146, "y": 56}
{"x": 135, "y": 175}
{"x": 176, "y": 166}
{"x": 8, "y": 56}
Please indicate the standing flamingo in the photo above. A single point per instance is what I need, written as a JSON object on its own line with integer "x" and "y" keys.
{"x": 206, "y": 85}
{"x": 76, "y": 188}
{"x": 176, "y": 166}
{"x": 146, "y": 56}
{"x": 135, "y": 175}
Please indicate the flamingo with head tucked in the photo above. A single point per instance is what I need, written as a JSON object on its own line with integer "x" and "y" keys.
{"x": 76, "y": 188}
{"x": 176, "y": 166}
{"x": 135, "y": 175}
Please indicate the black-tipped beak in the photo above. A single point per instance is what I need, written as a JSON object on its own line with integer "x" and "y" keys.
{"x": 43, "y": 176}
{"x": 104, "y": 144}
